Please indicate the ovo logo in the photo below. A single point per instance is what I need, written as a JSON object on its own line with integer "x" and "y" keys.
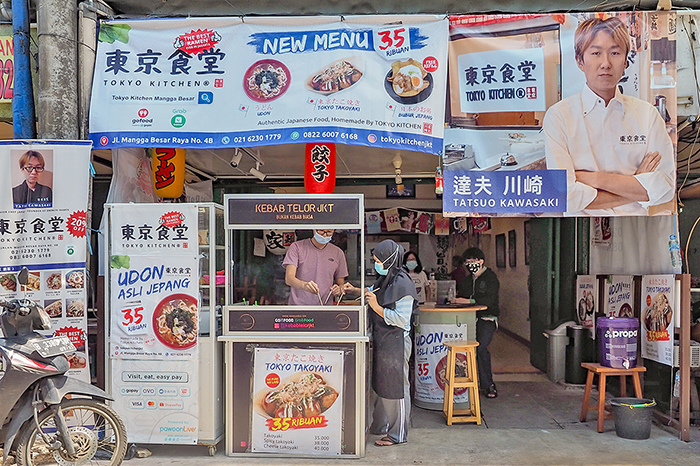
{"x": 143, "y": 113}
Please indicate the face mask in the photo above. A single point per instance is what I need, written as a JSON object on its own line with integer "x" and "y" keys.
{"x": 380, "y": 268}
{"x": 411, "y": 265}
{"x": 322, "y": 239}
{"x": 473, "y": 267}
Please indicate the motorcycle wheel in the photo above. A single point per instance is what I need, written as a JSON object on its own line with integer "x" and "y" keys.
{"x": 97, "y": 432}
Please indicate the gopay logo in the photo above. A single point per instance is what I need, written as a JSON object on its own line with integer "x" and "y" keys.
{"x": 178, "y": 121}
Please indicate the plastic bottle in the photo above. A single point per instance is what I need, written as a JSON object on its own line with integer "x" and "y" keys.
{"x": 438, "y": 181}
{"x": 675, "y": 249}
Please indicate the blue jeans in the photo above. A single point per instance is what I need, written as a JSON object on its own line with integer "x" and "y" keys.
{"x": 484, "y": 334}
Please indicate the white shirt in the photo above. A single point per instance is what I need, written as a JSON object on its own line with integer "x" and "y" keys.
{"x": 581, "y": 133}
{"x": 420, "y": 280}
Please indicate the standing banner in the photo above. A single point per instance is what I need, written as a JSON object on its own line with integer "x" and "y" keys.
{"x": 221, "y": 82}
{"x": 154, "y": 320}
{"x": 586, "y": 300}
{"x": 618, "y": 293}
{"x": 522, "y": 101}
{"x": 657, "y": 318}
{"x": 297, "y": 401}
{"x": 43, "y": 207}
{"x": 431, "y": 362}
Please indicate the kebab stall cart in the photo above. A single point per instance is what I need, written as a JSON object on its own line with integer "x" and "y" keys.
{"x": 164, "y": 301}
{"x": 274, "y": 350}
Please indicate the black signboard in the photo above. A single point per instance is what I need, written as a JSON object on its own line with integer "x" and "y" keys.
{"x": 336, "y": 319}
{"x": 271, "y": 210}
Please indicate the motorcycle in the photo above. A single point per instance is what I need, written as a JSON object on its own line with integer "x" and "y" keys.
{"x": 47, "y": 416}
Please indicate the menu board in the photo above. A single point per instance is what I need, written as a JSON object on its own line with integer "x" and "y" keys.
{"x": 297, "y": 401}
{"x": 224, "y": 82}
{"x": 42, "y": 227}
{"x": 657, "y": 318}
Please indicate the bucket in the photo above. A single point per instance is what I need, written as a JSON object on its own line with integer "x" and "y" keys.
{"x": 617, "y": 340}
{"x": 633, "y": 417}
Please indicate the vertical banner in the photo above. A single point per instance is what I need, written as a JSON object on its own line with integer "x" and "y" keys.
{"x": 43, "y": 207}
{"x": 297, "y": 401}
{"x": 431, "y": 362}
{"x": 619, "y": 300}
{"x": 657, "y": 318}
{"x": 586, "y": 301}
{"x": 154, "y": 320}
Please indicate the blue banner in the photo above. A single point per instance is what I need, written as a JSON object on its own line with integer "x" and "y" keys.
{"x": 504, "y": 191}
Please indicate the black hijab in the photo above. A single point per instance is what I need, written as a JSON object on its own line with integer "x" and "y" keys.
{"x": 396, "y": 284}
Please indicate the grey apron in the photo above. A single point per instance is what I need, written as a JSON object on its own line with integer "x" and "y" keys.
{"x": 388, "y": 358}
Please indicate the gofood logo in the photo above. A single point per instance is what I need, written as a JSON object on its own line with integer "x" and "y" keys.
{"x": 142, "y": 121}
{"x": 620, "y": 333}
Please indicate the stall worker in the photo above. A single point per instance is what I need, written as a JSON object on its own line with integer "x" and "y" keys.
{"x": 415, "y": 272}
{"x": 315, "y": 269}
{"x": 482, "y": 287}
{"x": 392, "y": 300}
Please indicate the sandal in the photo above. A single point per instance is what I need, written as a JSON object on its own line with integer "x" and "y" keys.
{"x": 492, "y": 393}
{"x": 387, "y": 442}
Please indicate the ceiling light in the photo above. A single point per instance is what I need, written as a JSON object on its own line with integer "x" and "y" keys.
{"x": 255, "y": 171}
{"x": 236, "y": 159}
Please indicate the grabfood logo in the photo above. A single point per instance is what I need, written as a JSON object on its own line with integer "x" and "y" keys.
{"x": 142, "y": 121}
{"x": 620, "y": 333}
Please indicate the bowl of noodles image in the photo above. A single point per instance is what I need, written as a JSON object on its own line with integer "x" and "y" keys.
{"x": 175, "y": 321}
{"x": 304, "y": 394}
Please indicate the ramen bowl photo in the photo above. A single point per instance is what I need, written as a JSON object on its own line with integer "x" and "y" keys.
{"x": 175, "y": 321}
{"x": 266, "y": 80}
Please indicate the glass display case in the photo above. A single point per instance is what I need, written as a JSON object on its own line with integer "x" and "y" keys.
{"x": 212, "y": 286}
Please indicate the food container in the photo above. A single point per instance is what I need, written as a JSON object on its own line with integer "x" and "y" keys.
{"x": 617, "y": 340}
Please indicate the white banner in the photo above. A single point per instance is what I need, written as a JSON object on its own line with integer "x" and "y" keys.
{"x": 619, "y": 299}
{"x": 222, "y": 82}
{"x": 586, "y": 301}
{"x": 42, "y": 227}
{"x": 657, "y": 318}
{"x": 431, "y": 362}
{"x": 297, "y": 401}
{"x": 158, "y": 400}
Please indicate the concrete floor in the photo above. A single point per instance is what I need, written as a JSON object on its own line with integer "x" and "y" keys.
{"x": 532, "y": 422}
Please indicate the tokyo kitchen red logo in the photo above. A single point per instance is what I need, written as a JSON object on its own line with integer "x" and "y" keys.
{"x": 197, "y": 41}
{"x": 76, "y": 224}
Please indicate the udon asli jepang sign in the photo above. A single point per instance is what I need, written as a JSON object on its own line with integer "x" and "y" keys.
{"x": 154, "y": 308}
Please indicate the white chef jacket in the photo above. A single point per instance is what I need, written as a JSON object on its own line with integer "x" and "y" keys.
{"x": 581, "y": 133}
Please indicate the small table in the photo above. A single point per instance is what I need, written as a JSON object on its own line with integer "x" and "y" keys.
{"x": 603, "y": 372}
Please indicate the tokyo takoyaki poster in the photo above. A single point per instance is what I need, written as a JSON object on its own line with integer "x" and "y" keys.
{"x": 297, "y": 401}
{"x": 657, "y": 318}
{"x": 223, "y": 82}
{"x": 586, "y": 301}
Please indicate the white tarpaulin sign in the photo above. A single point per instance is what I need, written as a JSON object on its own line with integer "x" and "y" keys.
{"x": 297, "y": 401}
{"x": 657, "y": 318}
{"x": 431, "y": 362}
{"x": 222, "y": 82}
{"x": 43, "y": 207}
{"x": 586, "y": 300}
{"x": 618, "y": 296}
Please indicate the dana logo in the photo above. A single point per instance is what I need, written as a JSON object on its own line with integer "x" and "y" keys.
{"x": 620, "y": 333}
{"x": 143, "y": 113}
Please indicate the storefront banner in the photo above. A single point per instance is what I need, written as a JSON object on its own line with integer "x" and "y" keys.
{"x": 154, "y": 307}
{"x": 515, "y": 95}
{"x": 43, "y": 229}
{"x": 619, "y": 296}
{"x": 431, "y": 362}
{"x": 142, "y": 229}
{"x": 7, "y": 57}
{"x": 297, "y": 401}
{"x": 158, "y": 400}
{"x": 222, "y": 82}
{"x": 504, "y": 191}
{"x": 657, "y": 318}
{"x": 586, "y": 301}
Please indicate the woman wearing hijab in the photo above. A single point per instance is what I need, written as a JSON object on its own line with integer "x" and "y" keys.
{"x": 392, "y": 299}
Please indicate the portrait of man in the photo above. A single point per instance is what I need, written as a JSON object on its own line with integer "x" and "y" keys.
{"x": 35, "y": 189}
{"x": 615, "y": 148}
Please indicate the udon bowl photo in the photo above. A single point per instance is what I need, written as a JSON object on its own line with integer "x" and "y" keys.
{"x": 301, "y": 395}
{"x": 175, "y": 321}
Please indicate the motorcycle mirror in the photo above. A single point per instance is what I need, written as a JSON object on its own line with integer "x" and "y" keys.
{"x": 23, "y": 276}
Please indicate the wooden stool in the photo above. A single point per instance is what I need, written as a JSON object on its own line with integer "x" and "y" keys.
{"x": 603, "y": 372}
{"x": 471, "y": 382}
